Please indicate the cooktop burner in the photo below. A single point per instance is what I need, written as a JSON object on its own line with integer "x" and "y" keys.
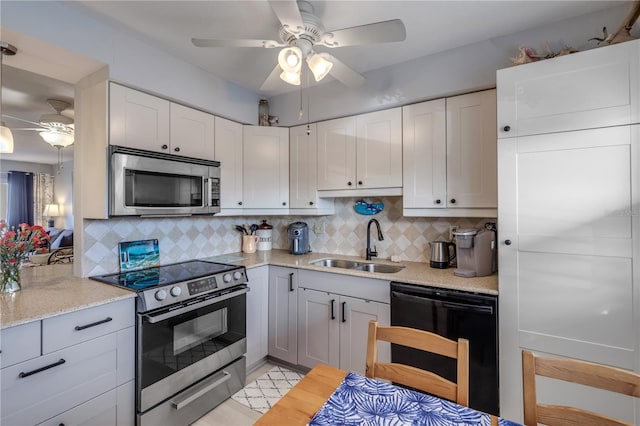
{"x": 164, "y": 275}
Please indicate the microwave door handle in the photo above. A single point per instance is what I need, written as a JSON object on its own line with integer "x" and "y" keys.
{"x": 209, "y": 187}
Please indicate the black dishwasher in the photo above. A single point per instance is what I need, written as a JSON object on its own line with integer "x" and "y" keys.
{"x": 452, "y": 314}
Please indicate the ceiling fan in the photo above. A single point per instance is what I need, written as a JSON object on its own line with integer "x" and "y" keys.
{"x": 300, "y": 32}
{"x": 56, "y": 129}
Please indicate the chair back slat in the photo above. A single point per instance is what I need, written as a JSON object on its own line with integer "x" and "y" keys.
{"x": 425, "y": 381}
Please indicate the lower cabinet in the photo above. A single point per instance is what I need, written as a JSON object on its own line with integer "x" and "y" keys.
{"x": 257, "y": 316}
{"x": 283, "y": 313}
{"x": 79, "y": 370}
{"x": 332, "y": 329}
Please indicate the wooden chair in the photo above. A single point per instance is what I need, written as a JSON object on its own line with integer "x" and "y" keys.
{"x": 414, "y": 377}
{"x": 575, "y": 371}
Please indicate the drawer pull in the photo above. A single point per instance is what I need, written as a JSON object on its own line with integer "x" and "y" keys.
{"x": 22, "y": 375}
{"x": 93, "y": 324}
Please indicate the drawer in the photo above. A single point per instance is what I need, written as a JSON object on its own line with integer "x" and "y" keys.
{"x": 19, "y": 343}
{"x": 76, "y": 327}
{"x": 36, "y": 390}
{"x": 100, "y": 410}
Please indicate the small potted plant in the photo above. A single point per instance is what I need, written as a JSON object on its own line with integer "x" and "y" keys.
{"x": 15, "y": 246}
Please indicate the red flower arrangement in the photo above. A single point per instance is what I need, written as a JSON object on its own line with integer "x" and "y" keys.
{"x": 15, "y": 246}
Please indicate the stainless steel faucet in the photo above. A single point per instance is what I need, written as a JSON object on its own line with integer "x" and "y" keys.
{"x": 372, "y": 253}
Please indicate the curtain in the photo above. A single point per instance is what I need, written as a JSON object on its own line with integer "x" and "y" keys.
{"x": 19, "y": 198}
{"x": 42, "y": 195}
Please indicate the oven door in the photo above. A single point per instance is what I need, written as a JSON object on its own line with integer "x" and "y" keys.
{"x": 181, "y": 344}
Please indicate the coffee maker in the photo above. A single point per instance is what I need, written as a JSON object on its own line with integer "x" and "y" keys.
{"x": 476, "y": 252}
{"x": 298, "y": 238}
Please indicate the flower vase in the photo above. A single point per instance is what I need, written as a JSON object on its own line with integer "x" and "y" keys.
{"x": 10, "y": 276}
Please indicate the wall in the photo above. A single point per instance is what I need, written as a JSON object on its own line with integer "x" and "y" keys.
{"x": 192, "y": 238}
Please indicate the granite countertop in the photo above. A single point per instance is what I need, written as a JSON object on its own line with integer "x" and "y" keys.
{"x": 412, "y": 273}
{"x": 53, "y": 290}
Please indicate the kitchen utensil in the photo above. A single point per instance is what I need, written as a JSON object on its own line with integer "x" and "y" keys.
{"x": 241, "y": 229}
{"x": 253, "y": 228}
{"x": 441, "y": 255}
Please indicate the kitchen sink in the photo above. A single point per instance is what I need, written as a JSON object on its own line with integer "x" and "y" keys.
{"x": 358, "y": 266}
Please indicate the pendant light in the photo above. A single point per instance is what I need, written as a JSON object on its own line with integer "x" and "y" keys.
{"x": 6, "y": 138}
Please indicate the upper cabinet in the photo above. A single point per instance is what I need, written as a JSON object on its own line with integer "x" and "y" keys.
{"x": 303, "y": 166}
{"x": 228, "y": 150}
{"x": 139, "y": 120}
{"x": 591, "y": 89}
{"x": 362, "y": 153}
{"x": 450, "y": 158}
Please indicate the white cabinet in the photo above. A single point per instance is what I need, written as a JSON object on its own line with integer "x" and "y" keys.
{"x": 228, "y": 151}
{"x": 283, "y": 313}
{"x": 334, "y": 311}
{"x": 332, "y": 329}
{"x": 139, "y": 120}
{"x": 450, "y": 158}
{"x": 595, "y": 88}
{"x": 257, "y": 316}
{"x": 303, "y": 177}
{"x": 265, "y": 167}
{"x": 363, "y": 152}
{"x": 569, "y": 247}
{"x": 84, "y": 360}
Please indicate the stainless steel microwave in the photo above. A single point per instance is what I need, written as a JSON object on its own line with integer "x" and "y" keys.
{"x": 145, "y": 183}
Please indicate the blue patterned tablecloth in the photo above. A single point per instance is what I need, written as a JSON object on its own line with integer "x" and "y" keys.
{"x": 363, "y": 401}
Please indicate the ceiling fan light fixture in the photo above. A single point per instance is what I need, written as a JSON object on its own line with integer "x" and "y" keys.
{"x": 291, "y": 77}
{"x": 319, "y": 65}
{"x": 6, "y": 139}
{"x": 57, "y": 139}
{"x": 290, "y": 59}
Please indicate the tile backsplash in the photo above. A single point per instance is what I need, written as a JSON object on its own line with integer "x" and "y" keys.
{"x": 345, "y": 233}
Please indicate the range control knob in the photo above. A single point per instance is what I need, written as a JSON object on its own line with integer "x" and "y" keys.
{"x": 176, "y": 291}
{"x": 161, "y": 295}
{"x": 226, "y": 278}
{"x": 237, "y": 275}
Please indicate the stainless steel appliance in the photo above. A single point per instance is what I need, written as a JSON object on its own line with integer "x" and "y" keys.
{"x": 299, "y": 238}
{"x": 476, "y": 252}
{"x": 452, "y": 314}
{"x": 190, "y": 338}
{"x": 441, "y": 254}
{"x": 145, "y": 183}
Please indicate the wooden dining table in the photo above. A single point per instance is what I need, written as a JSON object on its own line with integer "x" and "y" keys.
{"x": 304, "y": 400}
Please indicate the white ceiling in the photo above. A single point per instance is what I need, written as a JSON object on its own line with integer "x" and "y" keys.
{"x": 432, "y": 26}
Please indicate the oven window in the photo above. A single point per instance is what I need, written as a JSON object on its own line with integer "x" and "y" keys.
{"x": 176, "y": 343}
{"x": 152, "y": 189}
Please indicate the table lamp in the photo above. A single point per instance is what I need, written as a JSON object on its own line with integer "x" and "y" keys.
{"x": 51, "y": 211}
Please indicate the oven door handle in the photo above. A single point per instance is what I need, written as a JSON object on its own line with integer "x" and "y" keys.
{"x": 182, "y": 401}
{"x": 161, "y": 316}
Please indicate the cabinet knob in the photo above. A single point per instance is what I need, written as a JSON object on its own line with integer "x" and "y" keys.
{"x": 284, "y": 203}
{"x": 453, "y": 201}
{"x": 310, "y": 203}
{"x": 239, "y": 203}
{"x": 359, "y": 182}
{"x": 176, "y": 149}
{"x": 438, "y": 201}
{"x": 349, "y": 183}
{"x": 165, "y": 146}
{"x": 507, "y": 242}
{"x": 506, "y": 128}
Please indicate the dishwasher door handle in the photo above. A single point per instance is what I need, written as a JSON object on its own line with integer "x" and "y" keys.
{"x": 469, "y": 308}
{"x": 458, "y": 306}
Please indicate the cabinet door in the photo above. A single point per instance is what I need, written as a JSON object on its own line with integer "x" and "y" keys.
{"x": 424, "y": 143}
{"x": 318, "y": 328}
{"x": 192, "y": 132}
{"x": 355, "y": 315}
{"x": 138, "y": 120}
{"x": 595, "y": 88}
{"x": 257, "y": 314}
{"x": 567, "y": 208}
{"x": 303, "y": 180}
{"x": 266, "y": 167}
{"x": 379, "y": 149}
{"x": 472, "y": 167}
{"x": 228, "y": 151}
{"x": 337, "y": 154}
{"x": 283, "y": 313}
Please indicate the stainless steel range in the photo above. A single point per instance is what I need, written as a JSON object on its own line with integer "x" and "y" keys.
{"x": 190, "y": 338}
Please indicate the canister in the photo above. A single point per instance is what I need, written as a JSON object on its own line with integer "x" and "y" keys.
{"x": 265, "y": 236}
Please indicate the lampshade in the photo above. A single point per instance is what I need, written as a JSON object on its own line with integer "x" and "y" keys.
{"x": 319, "y": 65}
{"x": 6, "y": 139}
{"x": 290, "y": 59}
{"x": 291, "y": 77}
{"x": 56, "y": 138}
{"x": 51, "y": 210}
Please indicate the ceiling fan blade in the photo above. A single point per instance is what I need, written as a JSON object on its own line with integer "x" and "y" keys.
{"x": 205, "y": 42}
{"x": 288, "y": 14}
{"x": 343, "y": 73}
{"x": 379, "y": 32}
{"x": 22, "y": 119}
{"x": 27, "y": 128}
{"x": 273, "y": 81}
